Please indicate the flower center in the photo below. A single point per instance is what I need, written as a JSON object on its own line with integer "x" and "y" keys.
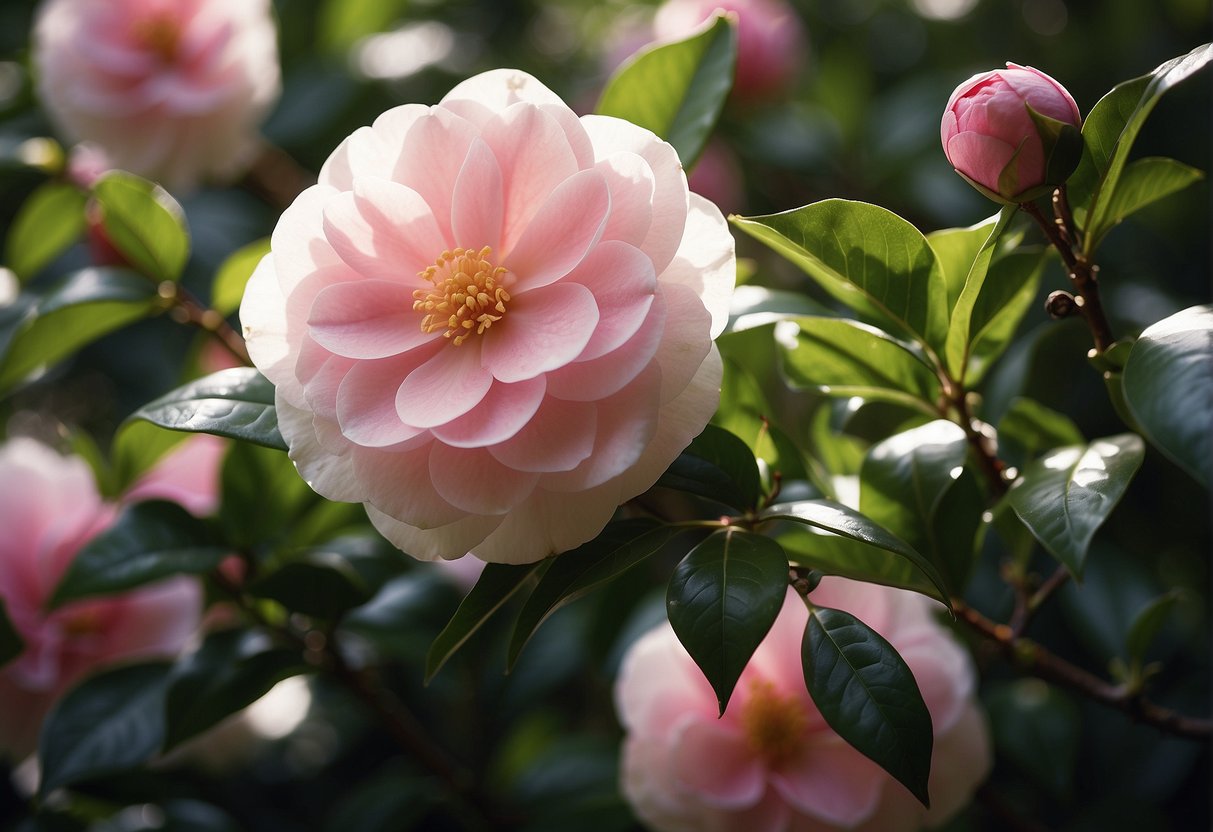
{"x": 160, "y": 35}
{"x": 467, "y": 297}
{"x": 774, "y": 725}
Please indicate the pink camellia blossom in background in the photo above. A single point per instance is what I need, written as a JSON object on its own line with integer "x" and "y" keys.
{"x": 990, "y": 137}
{"x": 49, "y": 508}
{"x": 173, "y": 90}
{"x": 771, "y": 763}
{"x": 771, "y": 44}
{"x": 491, "y": 321}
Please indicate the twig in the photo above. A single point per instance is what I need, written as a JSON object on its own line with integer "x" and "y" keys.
{"x": 188, "y": 309}
{"x": 276, "y": 177}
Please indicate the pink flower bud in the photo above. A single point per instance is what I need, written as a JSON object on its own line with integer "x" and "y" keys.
{"x": 169, "y": 89}
{"x": 1012, "y": 133}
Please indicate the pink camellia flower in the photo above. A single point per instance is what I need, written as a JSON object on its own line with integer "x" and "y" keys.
{"x": 49, "y": 508}
{"x": 491, "y": 321}
{"x": 771, "y": 763}
{"x": 169, "y": 89}
{"x": 771, "y": 45}
{"x": 1012, "y": 133}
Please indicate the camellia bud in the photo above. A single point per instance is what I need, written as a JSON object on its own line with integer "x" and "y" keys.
{"x": 1012, "y": 133}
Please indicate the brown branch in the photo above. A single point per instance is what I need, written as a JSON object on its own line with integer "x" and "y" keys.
{"x": 993, "y": 468}
{"x": 276, "y": 177}
{"x": 1040, "y": 662}
{"x": 188, "y": 309}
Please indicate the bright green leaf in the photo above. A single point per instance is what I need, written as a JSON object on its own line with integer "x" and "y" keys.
{"x": 678, "y": 89}
{"x": 86, "y": 305}
{"x": 840, "y": 357}
{"x": 753, "y": 306}
{"x": 960, "y": 324}
{"x": 573, "y": 574}
{"x": 149, "y": 541}
{"x": 228, "y": 289}
{"x": 721, "y": 601}
{"x": 1142, "y": 182}
{"x": 1065, "y": 495}
{"x": 50, "y": 220}
{"x": 866, "y": 257}
{"x": 11, "y": 643}
{"x": 144, "y": 223}
{"x": 957, "y": 249}
{"x": 111, "y": 722}
{"x": 717, "y": 465}
{"x": 232, "y": 669}
{"x": 318, "y": 583}
{"x": 237, "y": 403}
{"x": 867, "y": 693}
{"x": 1168, "y": 385}
{"x": 1008, "y": 293}
{"x": 498, "y": 583}
{"x": 342, "y": 23}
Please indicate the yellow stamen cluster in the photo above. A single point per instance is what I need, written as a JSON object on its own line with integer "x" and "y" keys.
{"x": 467, "y": 296}
{"x": 774, "y": 725}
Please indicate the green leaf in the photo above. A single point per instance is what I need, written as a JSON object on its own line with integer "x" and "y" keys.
{"x": 840, "y": 357}
{"x": 1168, "y": 385}
{"x": 723, "y": 598}
{"x": 320, "y": 583}
{"x": 149, "y": 541}
{"x": 11, "y": 643}
{"x": 144, "y": 223}
{"x": 228, "y": 288}
{"x": 111, "y": 722}
{"x": 498, "y": 583}
{"x": 50, "y": 220}
{"x": 866, "y": 257}
{"x": 956, "y": 249}
{"x": 1065, "y": 495}
{"x": 343, "y": 23}
{"x": 137, "y": 447}
{"x": 874, "y": 553}
{"x": 86, "y": 305}
{"x": 717, "y": 465}
{"x": 866, "y": 692}
{"x": 237, "y": 403}
{"x": 232, "y": 669}
{"x": 677, "y": 90}
{"x": 753, "y": 306}
{"x": 264, "y": 498}
{"x": 1008, "y": 293}
{"x": 1028, "y": 428}
{"x": 1147, "y": 622}
{"x": 618, "y": 548}
{"x": 960, "y": 324}
{"x": 1142, "y": 182}
{"x": 1038, "y": 729}
{"x": 1110, "y": 130}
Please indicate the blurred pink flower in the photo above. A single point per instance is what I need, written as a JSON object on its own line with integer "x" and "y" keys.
{"x": 49, "y": 508}
{"x": 491, "y": 321}
{"x": 991, "y": 139}
{"x": 771, "y": 763}
{"x": 173, "y": 90}
{"x": 717, "y": 176}
{"x": 771, "y": 44}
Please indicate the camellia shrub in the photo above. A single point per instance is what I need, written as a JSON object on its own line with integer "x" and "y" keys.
{"x": 490, "y": 477}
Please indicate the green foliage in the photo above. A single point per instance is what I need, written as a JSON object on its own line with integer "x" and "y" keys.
{"x": 237, "y": 403}
{"x": 1028, "y": 428}
{"x": 1065, "y": 495}
{"x": 677, "y": 90}
{"x": 1147, "y": 624}
{"x": 1142, "y": 182}
{"x": 228, "y": 288}
{"x": 342, "y": 23}
{"x": 50, "y": 220}
{"x": 1168, "y": 379}
{"x": 318, "y": 583}
{"x": 722, "y": 600}
{"x": 144, "y": 224}
{"x": 719, "y": 466}
{"x": 1037, "y": 728}
{"x": 960, "y": 325}
{"x": 866, "y": 692}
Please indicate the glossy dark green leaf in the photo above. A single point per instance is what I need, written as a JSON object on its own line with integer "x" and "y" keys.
{"x": 678, "y": 89}
{"x": 1142, "y": 182}
{"x": 232, "y": 669}
{"x": 498, "y": 583}
{"x": 1008, "y": 294}
{"x": 1168, "y": 385}
{"x": 86, "y": 305}
{"x": 866, "y": 692}
{"x": 149, "y": 541}
{"x": 1147, "y": 623}
{"x": 890, "y": 560}
{"x": 237, "y": 403}
{"x": 723, "y": 598}
{"x": 618, "y": 548}
{"x": 1028, "y": 428}
{"x": 866, "y": 257}
{"x": 956, "y": 530}
{"x": 717, "y": 465}
{"x": 144, "y": 223}
{"x": 318, "y": 583}
{"x": 1065, "y": 495}
{"x": 11, "y": 643}
{"x": 960, "y": 323}
{"x": 111, "y": 722}
{"x": 753, "y": 306}
{"x": 227, "y": 290}
{"x": 263, "y": 497}
{"x": 400, "y": 621}
{"x": 840, "y": 357}
{"x": 50, "y": 220}
{"x": 1109, "y": 132}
